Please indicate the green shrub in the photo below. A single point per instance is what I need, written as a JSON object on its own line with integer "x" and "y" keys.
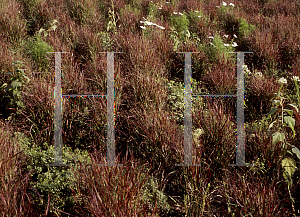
{"x": 180, "y": 25}
{"x": 180, "y": 29}
{"x": 107, "y": 41}
{"x": 244, "y": 28}
{"x": 175, "y": 101}
{"x": 217, "y": 49}
{"x": 155, "y": 197}
{"x": 37, "y": 49}
{"x": 55, "y": 181}
{"x": 12, "y": 98}
{"x": 152, "y": 11}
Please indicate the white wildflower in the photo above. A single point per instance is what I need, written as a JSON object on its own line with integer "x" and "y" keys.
{"x": 217, "y": 6}
{"x": 282, "y": 80}
{"x": 168, "y": 2}
{"x": 160, "y": 8}
{"x": 226, "y": 36}
{"x": 234, "y": 36}
{"x": 180, "y": 14}
{"x": 231, "y": 4}
{"x": 147, "y": 22}
{"x": 150, "y": 23}
{"x": 160, "y": 26}
{"x": 212, "y": 44}
{"x": 199, "y": 16}
{"x": 247, "y": 70}
{"x": 226, "y": 45}
{"x": 259, "y": 74}
{"x": 224, "y": 3}
{"x": 175, "y": 13}
{"x": 210, "y": 37}
{"x": 197, "y": 11}
{"x": 234, "y": 44}
{"x": 296, "y": 78}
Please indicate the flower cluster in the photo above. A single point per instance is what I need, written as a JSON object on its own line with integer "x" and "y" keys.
{"x": 178, "y": 13}
{"x": 149, "y": 24}
{"x": 198, "y": 12}
{"x": 296, "y": 78}
{"x": 246, "y": 70}
{"x": 259, "y": 74}
{"x": 225, "y": 4}
{"x": 234, "y": 44}
{"x": 282, "y": 80}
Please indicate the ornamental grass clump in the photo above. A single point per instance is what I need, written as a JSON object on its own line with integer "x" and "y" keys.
{"x": 16, "y": 197}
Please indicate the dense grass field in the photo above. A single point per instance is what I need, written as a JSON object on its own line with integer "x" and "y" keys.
{"x": 149, "y": 108}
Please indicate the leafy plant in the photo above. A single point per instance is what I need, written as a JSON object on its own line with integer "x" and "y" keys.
{"x": 152, "y": 10}
{"x": 38, "y": 49}
{"x": 51, "y": 25}
{"x": 154, "y": 196}
{"x": 224, "y": 9}
{"x": 180, "y": 29}
{"x": 176, "y": 98}
{"x": 112, "y": 23}
{"x": 218, "y": 49}
{"x": 106, "y": 40}
{"x": 51, "y": 182}
{"x": 244, "y": 28}
{"x": 13, "y": 89}
{"x": 285, "y": 120}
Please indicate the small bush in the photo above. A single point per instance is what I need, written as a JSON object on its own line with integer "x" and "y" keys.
{"x": 51, "y": 181}
{"x": 217, "y": 50}
{"x": 244, "y": 28}
{"x": 12, "y": 98}
{"x": 37, "y": 49}
{"x": 181, "y": 26}
{"x": 155, "y": 197}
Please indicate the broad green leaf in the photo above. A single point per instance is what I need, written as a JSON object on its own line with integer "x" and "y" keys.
{"x": 53, "y": 27}
{"x": 294, "y": 107}
{"x": 296, "y": 151}
{"x": 291, "y": 122}
{"x": 289, "y": 165}
{"x": 271, "y": 125}
{"x": 28, "y": 79}
{"x": 290, "y": 112}
{"x": 277, "y": 102}
{"x": 278, "y": 137}
{"x": 6, "y": 89}
{"x": 3, "y": 86}
{"x": 272, "y": 111}
{"x": 16, "y": 84}
{"x": 41, "y": 30}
